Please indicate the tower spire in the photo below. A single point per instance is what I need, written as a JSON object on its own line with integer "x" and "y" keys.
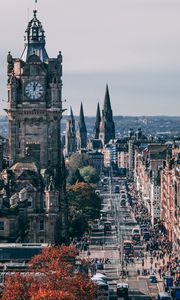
{"x": 97, "y": 123}
{"x": 107, "y": 103}
{"x": 70, "y": 135}
{"x": 107, "y": 127}
{"x": 35, "y": 39}
{"x": 81, "y": 130}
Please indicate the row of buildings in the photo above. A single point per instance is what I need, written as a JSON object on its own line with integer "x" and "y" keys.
{"x": 157, "y": 180}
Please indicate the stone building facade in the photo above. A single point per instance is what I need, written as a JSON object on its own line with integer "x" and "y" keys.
{"x": 170, "y": 198}
{"x": 35, "y": 155}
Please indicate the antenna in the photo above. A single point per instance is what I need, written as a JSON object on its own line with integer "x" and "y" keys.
{"x": 35, "y": 4}
{"x": 28, "y": 15}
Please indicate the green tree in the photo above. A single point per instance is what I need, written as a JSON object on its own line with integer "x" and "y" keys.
{"x": 77, "y": 161}
{"x": 90, "y": 174}
{"x": 74, "y": 176}
{"x": 84, "y": 206}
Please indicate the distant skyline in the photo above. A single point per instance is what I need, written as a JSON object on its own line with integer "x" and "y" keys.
{"x": 133, "y": 45}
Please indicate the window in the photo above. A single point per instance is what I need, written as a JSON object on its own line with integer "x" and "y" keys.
{"x": 1, "y": 226}
{"x": 41, "y": 225}
{"x": 30, "y": 202}
{"x": 9, "y": 96}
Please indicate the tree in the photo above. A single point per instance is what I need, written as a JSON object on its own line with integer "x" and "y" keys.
{"x": 77, "y": 161}
{"x": 84, "y": 206}
{"x": 51, "y": 277}
{"x": 78, "y": 223}
{"x": 74, "y": 176}
{"x": 90, "y": 174}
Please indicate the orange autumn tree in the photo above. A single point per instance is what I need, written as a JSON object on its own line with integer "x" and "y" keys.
{"x": 51, "y": 276}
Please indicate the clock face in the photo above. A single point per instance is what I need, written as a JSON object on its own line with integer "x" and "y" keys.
{"x": 34, "y": 90}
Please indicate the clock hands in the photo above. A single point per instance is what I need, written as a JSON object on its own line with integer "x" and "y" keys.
{"x": 35, "y": 84}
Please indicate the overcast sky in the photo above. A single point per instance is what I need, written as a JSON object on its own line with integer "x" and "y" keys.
{"x": 133, "y": 45}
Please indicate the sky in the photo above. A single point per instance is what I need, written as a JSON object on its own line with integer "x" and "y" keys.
{"x": 133, "y": 45}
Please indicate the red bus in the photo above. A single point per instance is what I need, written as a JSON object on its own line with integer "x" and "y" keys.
{"x": 128, "y": 248}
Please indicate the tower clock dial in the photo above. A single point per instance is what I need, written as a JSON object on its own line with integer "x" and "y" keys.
{"x": 34, "y": 90}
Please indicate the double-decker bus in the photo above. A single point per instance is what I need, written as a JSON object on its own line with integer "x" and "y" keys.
{"x": 128, "y": 248}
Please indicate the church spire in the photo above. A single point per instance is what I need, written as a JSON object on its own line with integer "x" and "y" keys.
{"x": 107, "y": 103}
{"x": 35, "y": 39}
{"x": 81, "y": 130}
{"x": 71, "y": 119}
{"x": 81, "y": 117}
{"x": 97, "y": 123}
{"x": 107, "y": 127}
{"x": 70, "y": 135}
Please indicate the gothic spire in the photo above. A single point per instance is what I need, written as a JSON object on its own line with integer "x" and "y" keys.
{"x": 81, "y": 117}
{"x": 71, "y": 113}
{"x": 107, "y": 127}
{"x": 70, "y": 120}
{"x": 35, "y": 39}
{"x": 70, "y": 135}
{"x": 97, "y": 123}
{"x": 107, "y": 102}
{"x": 81, "y": 130}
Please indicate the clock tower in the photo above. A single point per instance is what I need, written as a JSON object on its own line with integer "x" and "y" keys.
{"x": 34, "y": 112}
{"x": 34, "y": 98}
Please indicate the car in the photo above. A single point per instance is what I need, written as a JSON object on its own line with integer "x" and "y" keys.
{"x": 152, "y": 279}
{"x": 123, "y": 203}
{"x": 100, "y": 276}
{"x": 101, "y": 227}
{"x": 116, "y": 190}
{"x": 99, "y": 266}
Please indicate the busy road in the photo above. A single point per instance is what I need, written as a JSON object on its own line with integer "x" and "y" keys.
{"x": 120, "y": 247}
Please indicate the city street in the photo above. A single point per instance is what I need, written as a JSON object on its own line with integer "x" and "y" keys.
{"x": 109, "y": 246}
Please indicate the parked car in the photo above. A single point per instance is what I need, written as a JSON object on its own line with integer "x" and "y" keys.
{"x": 99, "y": 266}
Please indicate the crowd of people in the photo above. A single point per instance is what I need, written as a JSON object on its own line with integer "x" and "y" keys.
{"x": 159, "y": 257}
